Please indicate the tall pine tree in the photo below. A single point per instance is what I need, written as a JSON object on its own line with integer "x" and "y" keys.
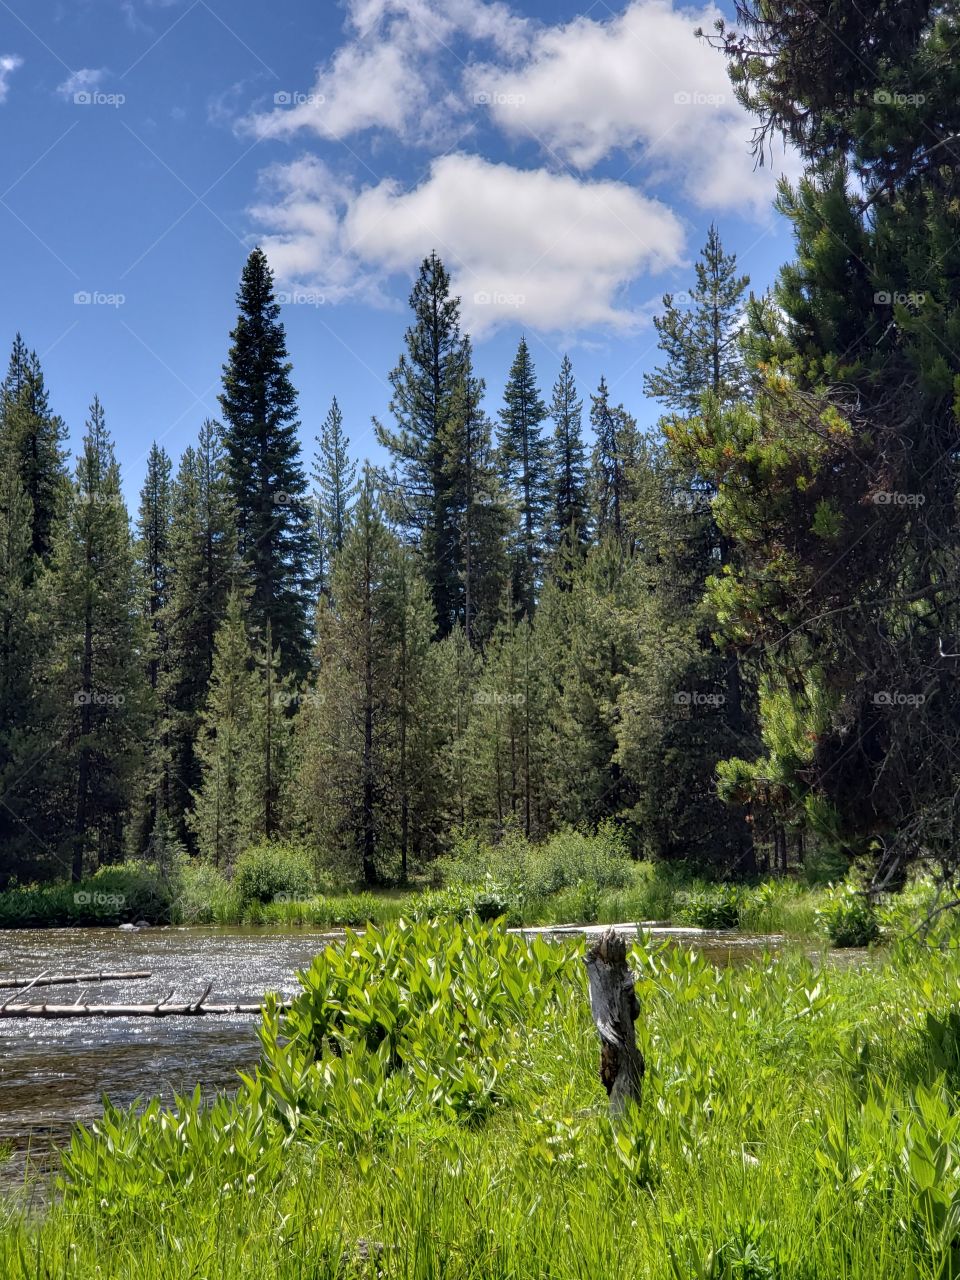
{"x": 525, "y": 465}
{"x": 267, "y": 477}
{"x": 424, "y": 382}
{"x": 99, "y": 647}
{"x": 569, "y": 513}
{"x": 34, "y": 436}
{"x": 203, "y": 569}
{"x": 335, "y": 482}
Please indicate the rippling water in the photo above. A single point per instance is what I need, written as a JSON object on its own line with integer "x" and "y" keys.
{"x": 55, "y": 1073}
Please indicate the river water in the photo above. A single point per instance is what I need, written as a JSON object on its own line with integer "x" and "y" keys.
{"x": 54, "y": 1073}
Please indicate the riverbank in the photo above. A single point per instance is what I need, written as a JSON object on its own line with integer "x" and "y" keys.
{"x": 570, "y": 879}
{"x": 458, "y": 1128}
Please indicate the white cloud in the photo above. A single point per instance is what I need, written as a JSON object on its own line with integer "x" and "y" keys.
{"x": 83, "y": 81}
{"x": 551, "y": 250}
{"x": 9, "y": 62}
{"x": 389, "y": 73}
{"x": 639, "y": 82}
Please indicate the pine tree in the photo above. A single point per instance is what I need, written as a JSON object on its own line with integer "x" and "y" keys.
{"x": 270, "y": 728}
{"x": 226, "y": 816}
{"x": 424, "y": 384}
{"x": 457, "y": 666}
{"x": 35, "y": 437}
{"x": 368, "y": 775}
{"x": 476, "y": 504}
{"x": 99, "y": 647}
{"x": 615, "y": 448}
{"x": 569, "y": 514}
{"x": 267, "y": 478}
{"x": 418, "y": 781}
{"x": 705, "y": 369}
{"x": 203, "y": 568}
{"x": 25, "y": 729}
{"x": 703, "y": 343}
{"x": 838, "y": 486}
{"x": 525, "y": 465}
{"x": 153, "y": 565}
{"x": 335, "y": 480}
{"x": 506, "y": 743}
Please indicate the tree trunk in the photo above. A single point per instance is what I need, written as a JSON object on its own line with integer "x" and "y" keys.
{"x": 614, "y": 1005}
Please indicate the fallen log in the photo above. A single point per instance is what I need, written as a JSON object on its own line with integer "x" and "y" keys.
{"x": 68, "y": 979}
{"x": 615, "y": 1008}
{"x": 165, "y": 1009}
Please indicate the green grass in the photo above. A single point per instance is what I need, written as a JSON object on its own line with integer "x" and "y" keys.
{"x": 439, "y": 1096}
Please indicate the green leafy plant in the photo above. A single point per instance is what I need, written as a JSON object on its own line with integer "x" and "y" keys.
{"x": 848, "y": 917}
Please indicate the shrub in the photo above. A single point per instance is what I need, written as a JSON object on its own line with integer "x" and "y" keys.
{"x": 204, "y": 897}
{"x": 715, "y": 906}
{"x": 266, "y": 871}
{"x": 128, "y": 891}
{"x": 528, "y": 872}
{"x": 848, "y": 917}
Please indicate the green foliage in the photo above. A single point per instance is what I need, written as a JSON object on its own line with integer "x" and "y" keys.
{"x": 266, "y": 871}
{"x": 125, "y": 892}
{"x": 712, "y": 907}
{"x": 530, "y": 872}
{"x": 848, "y": 917}
{"x": 434, "y": 1089}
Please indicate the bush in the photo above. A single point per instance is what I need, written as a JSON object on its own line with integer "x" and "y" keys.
{"x": 268, "y": 870}
{"x": 526, "y": 872}
{"x": 114, "y": 895}
{"x": 848, "y": 917}
{"x": 204, "y": 896}
{"x": 486, "y": 901}
{"x": 715, "y": 906}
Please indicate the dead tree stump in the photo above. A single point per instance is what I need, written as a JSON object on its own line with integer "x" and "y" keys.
{"x": 615, "y": 1008}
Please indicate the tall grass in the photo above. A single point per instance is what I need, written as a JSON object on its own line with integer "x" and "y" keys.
{"x": 798, "y": 1123}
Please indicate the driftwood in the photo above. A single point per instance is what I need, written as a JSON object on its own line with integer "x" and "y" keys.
{"x": 163, "y": 1010}
{"x": 67, "y": 979}
{"x": 614, "y": 1005}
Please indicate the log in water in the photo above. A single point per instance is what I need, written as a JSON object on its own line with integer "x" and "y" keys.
{"x": 72, "y": 979}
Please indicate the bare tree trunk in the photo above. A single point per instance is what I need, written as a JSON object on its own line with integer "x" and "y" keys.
{"x": 614, "y": 1005}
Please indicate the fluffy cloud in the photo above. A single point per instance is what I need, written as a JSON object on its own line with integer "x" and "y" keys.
{"x": 83, "y": 81}
{"x": 639, "y": 82}
{"x": 9, "y": 62}
{"x": 549, "y": 249}
{"x": 388, "y": 74}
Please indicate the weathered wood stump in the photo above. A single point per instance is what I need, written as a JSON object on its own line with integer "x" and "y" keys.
{"x": 615, "y": 1008}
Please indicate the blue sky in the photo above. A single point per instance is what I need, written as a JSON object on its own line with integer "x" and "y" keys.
{"x": 564, "y": 160}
